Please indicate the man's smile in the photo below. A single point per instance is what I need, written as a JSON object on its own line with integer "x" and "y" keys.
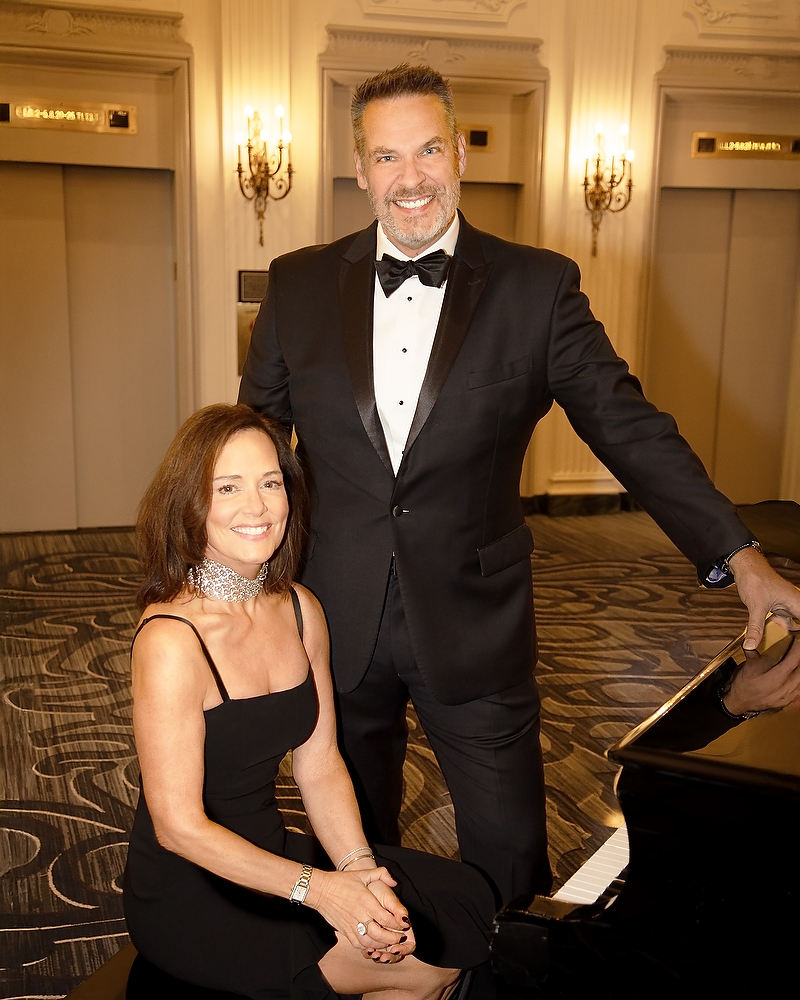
{"x": 417, "y": 203}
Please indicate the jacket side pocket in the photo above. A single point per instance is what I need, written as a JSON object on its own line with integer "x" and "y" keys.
{"x": 504, "y": 552}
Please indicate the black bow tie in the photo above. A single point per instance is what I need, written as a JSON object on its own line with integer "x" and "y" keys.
{"x": 431, "y": 270}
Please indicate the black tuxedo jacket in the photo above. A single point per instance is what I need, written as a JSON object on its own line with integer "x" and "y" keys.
{"x": 515, "y": 333}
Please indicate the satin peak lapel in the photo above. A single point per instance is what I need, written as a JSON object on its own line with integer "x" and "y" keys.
{"x": 355, "y": 304}
{"x": 465, "y": 286}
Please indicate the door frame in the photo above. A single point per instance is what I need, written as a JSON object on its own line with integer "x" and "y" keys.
{"x": 119, "y": 42}
{"x": 509, "y": 67}
{"x": 694, "y": 74}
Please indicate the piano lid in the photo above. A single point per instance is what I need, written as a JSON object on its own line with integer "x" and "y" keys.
{"x": 691, "y": 735}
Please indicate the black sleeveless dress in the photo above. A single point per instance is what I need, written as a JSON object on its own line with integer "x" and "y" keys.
{"x": 205, "y": 930}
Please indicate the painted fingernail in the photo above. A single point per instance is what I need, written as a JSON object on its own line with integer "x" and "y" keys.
{"x": 403, "y": 939}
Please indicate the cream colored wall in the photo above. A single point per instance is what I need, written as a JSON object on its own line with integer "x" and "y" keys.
{"x": 602, "y": 57}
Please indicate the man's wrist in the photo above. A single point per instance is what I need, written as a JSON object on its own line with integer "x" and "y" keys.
{"x": 719, "y": 574}
{"x": 723, "y": 690}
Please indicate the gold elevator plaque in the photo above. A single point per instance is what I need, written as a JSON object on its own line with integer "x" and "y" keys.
{"x": 73, "y": 116}
{"x": 744, "y": 146}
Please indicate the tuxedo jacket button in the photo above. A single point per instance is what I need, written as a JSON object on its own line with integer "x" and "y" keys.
{"x": 397, "y": 511}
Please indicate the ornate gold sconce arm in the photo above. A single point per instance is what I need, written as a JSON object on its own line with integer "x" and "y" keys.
{"x": 265, "y": 175}
{"x": 606, "y": 189}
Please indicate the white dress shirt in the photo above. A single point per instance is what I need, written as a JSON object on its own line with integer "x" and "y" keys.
{"x": 403, "y": 330}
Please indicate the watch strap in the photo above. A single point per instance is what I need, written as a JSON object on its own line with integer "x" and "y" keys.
{"x": 300, "y": 888}
{"x": 719, "y": 573}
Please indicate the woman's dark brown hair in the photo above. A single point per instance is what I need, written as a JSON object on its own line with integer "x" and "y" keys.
{"x": 171, "y": 528}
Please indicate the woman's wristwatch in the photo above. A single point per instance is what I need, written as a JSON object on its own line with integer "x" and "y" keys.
{"x": 300, "y": 888}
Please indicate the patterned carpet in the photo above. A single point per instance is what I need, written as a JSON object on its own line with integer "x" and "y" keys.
{"x": 621, "y": 623}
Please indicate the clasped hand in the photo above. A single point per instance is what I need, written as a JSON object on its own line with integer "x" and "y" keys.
{"x": 347, "y": 899}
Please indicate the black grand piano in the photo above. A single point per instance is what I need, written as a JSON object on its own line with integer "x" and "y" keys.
{"x": 709, "y": 903}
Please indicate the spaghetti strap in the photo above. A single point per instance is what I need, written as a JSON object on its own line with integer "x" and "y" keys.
{"x": 297, "y": 611}
{"x": 215, "y": 673}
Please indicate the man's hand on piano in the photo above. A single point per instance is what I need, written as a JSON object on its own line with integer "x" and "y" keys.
{"x": 762, "y": 590}
{"x": 764, "y": 682}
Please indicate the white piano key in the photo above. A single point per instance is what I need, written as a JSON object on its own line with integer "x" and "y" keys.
{"x": 594, "y": 877}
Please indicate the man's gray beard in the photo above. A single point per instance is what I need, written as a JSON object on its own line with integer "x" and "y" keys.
{"x": 417, "y": 237}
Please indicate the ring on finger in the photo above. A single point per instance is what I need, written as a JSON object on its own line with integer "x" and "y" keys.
{"x": 362, "y": 925}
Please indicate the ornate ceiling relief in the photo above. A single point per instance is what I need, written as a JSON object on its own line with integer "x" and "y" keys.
{"x": 773, "y": 19}
{"x": 495, "y": 11}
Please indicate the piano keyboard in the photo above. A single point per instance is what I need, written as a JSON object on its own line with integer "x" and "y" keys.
{"x": 594, "y": 877}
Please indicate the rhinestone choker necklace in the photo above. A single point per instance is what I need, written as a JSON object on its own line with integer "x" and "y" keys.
{"x": 212, "y": 579}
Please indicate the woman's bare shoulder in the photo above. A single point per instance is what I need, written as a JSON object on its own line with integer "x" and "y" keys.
{"x": 315, "y": 628}
{"x": 164, "y": 628}
{"x": 313, "y": 614}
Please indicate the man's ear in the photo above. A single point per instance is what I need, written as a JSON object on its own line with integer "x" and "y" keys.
{"x": 461, "y": 151}
{"x": 362, "y": 180}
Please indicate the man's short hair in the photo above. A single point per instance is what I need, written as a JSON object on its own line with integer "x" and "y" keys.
{"x": 402, "y": 81}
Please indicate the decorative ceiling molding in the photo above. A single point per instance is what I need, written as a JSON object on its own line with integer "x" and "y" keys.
{"x": 59, "y": 24}
{"x": 449, "y": 53}
{"x": 486, "y": 11}
{"x": 754, "y": 19}
{"x": 689, "y": 66}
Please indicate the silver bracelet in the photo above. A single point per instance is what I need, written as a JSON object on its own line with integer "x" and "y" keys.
{"x": 363, "y": 857}
{"x": 344, "y": 862}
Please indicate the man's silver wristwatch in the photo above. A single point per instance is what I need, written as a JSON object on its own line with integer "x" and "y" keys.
{"x": 300, "y": 888}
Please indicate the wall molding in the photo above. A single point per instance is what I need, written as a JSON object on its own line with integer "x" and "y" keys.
{"x": 777, "y": 20}
{"x": 696, "y": 66}
{"x": 452, "y": 53}
{"x": 489, "y": 11}
{"x": 70, "y": 24}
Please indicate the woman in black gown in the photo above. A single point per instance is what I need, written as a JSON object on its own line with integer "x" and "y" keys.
{"x": 230, "y": 671}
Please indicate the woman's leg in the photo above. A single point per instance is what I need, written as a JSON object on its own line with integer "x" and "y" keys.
{"x": 347, "y": 971}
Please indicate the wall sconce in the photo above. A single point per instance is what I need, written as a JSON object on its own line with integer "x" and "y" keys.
{"x": 265, "y": 176}
{"x": 603, "y": 191}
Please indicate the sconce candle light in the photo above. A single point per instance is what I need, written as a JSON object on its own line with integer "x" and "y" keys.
{"x": 266, "y": 176}
{"x": 605, "y": 190}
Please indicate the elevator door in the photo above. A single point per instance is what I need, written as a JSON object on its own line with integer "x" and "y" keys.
{"x": 720, "y": 330}
{"x": 87, "y": 353}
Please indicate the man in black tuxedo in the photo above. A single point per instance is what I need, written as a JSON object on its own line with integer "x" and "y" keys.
{"x": 414, "y": 392}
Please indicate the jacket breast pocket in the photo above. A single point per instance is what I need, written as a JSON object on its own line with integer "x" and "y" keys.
{"x": 504, "y": 552}
{"x": 500, "y": 373}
